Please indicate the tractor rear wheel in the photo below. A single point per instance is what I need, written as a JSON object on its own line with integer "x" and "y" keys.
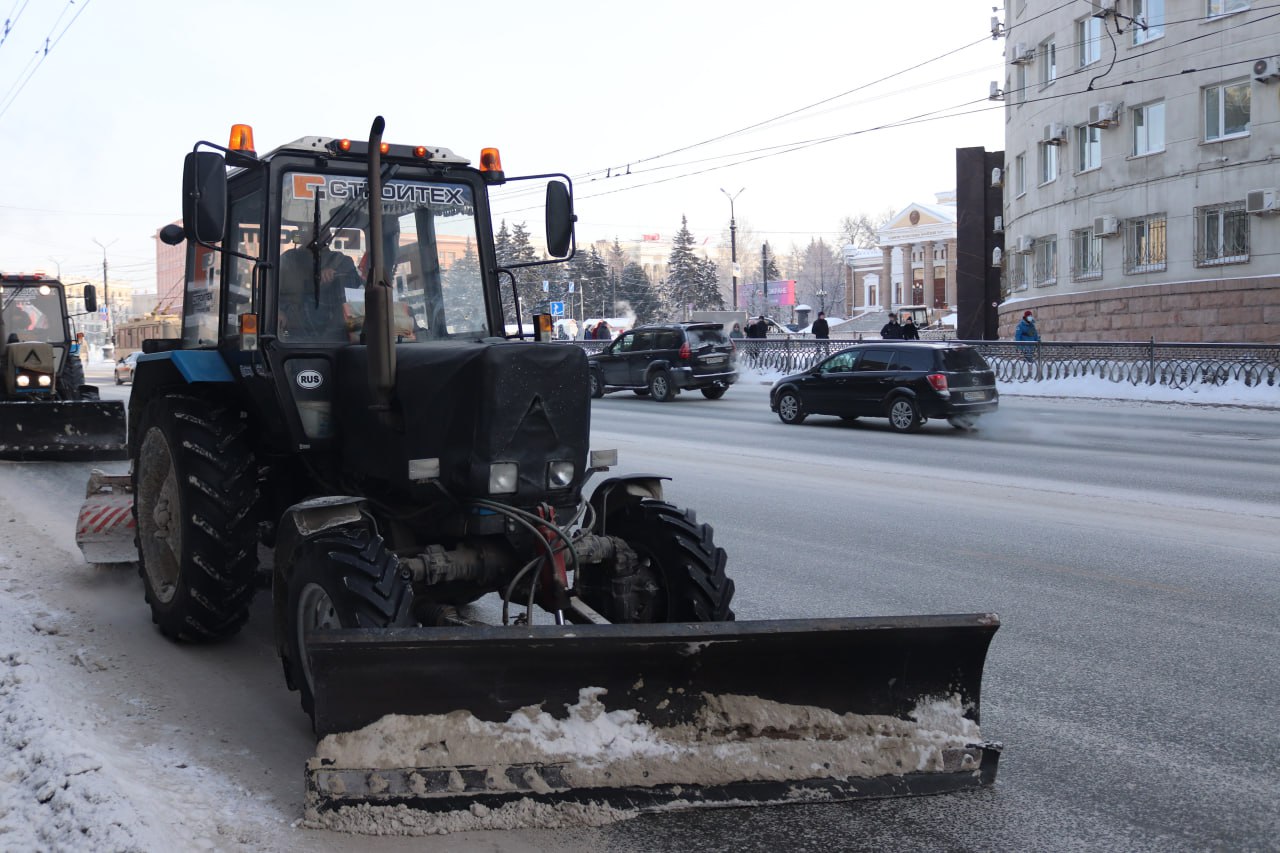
{"x": 196, "y": 485}
{"x": 344, "y": 578}
{"x": 680, "y": 558}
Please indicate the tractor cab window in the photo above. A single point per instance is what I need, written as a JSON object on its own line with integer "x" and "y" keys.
{"x": 429, "y": 251}
{"x": 32, "y": 313}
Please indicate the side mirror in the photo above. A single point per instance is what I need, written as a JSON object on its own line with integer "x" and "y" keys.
{"x": 560, "y": 219}
{"x": 90, "y": 299}
{"x": 204, "y": 196}
{"x": 172, "y": 235}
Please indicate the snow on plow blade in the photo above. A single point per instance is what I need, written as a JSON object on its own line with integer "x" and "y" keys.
{"x": 69, "y": 430}
{"x": 449, "y": 729}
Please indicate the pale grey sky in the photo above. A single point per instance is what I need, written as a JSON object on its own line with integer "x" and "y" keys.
{"x": 92, "y": 134}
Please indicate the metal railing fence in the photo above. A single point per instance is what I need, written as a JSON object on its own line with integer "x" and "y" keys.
{"x": 1175, "y": 365}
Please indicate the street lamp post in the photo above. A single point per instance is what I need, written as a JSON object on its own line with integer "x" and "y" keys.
{"x": 106, "y": 296}
{"x": 733, "y": 243}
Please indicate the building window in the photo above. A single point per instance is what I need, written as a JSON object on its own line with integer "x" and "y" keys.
{"x": 1222, "y": 235}
{"x": 1018, "y": 271}
{"x": 1088, "y": 41}
{"x": 1086, "y": 255}
{"x": 1046, "y": 260}
{"x": 1225, "y": 7}
{"x": 1048, "y": 162}
{"x": 1148, "y": 129}
{"x": 1148, "y": 16}
{"x": 1020, "y": 94}
{"x": 1144, "y": 244}
{"x": 1226, "y": 110}
{"x": 1088, "y": 148}
{"x": 1048, "y": 62}
{"x": 1020, "y": 174}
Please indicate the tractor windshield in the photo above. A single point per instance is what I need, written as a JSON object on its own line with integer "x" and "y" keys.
{"x": 32, "y": 313}
{"x": 430, "y": 252}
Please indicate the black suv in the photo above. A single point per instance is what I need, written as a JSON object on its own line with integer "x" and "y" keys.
{"x": 907, "y": 382}
{"x": 665, "y": 360}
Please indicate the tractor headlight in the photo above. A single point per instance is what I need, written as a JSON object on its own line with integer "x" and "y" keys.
{"x": 503, "y": 478}
{"x": 45, "y": 380}
{"x": 23, "y": 380}
{"x": 559, "y": 474}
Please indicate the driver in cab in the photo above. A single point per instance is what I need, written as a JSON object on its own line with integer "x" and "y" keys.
{"x": 313, "y": 283}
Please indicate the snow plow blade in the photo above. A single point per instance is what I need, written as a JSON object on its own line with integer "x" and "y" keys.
{"x": 68, "y": 430}
{"x": 548, "y": 726}
{"x": 105, "y": 528}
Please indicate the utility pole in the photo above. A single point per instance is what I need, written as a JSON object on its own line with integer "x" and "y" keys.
{"x": 106, "y": 296}
{"x": 733, "y": 243}
{"x": 764, "y": 276}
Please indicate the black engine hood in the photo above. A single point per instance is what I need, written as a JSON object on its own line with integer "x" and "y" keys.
{"x": 469, "y": 404}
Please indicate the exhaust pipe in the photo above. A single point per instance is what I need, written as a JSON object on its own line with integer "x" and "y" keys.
{"x": 379, "y": 330}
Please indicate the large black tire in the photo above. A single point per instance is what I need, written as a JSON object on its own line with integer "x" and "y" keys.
{"x": 660, "y": 387}
{"x": 683, "y": 561}
{"x": 597, "y": 383}
{"x": 195, "y": 483}
{"x": 342, "y": 578}
{"x": 72, "y": 378}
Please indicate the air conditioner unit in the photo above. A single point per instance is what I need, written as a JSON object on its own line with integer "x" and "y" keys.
{"x": 1106, "y": 226}
{"x": 996, "y": 94}
{"x": 1102, "y": 8}
{"x": 997, "y": 177}
{"x": 997, "y": 224}
{"x": 1266, "y": 70}
{"x": 1055, "y": 134}
{"x": 997, "y": 28}
{"x": 1104, "y": 114}
{"x": 1022, "y": 54}
{"x": 997, "y": 257}
{"x": 1025, "y": 244}
{"x": 1262, "y": 201}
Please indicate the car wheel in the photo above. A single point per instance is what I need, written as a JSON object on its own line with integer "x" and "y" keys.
{"x": 714, "y": 392}
{"x": 597, "y": 384}
{"x": 904, "y": 415}
{"x": 964, "y": 423}
{"x": 661, "y": 388}
{"x": 790, "y": 409}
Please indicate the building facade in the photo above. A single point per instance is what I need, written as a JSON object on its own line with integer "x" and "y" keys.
{"x": 1142, "y": 162}
{"x": 915, "y": 254}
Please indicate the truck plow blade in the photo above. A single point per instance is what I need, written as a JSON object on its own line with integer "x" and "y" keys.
{"x": 546, "y": 726}
{"x": 68, "y": 430}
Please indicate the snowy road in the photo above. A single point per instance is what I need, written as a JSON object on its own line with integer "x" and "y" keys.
{"x": 1128, "y": 547}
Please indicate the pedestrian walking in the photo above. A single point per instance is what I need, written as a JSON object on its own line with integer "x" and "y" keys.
{"x": 1028, "y": 332}
{"x": 910, "y": 332}
{"x": 891, "y": 331}
{"x": 736, "y": 331}
{"x": 821, "y": 329}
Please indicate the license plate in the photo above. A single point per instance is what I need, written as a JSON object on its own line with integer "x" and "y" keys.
{"x": 712, "y": 359}
{"x": 975, "y": 395}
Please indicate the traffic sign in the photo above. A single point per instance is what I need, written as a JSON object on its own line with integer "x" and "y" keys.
{"x": 557, "y": 309}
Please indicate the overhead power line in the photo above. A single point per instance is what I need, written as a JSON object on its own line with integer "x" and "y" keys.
{"x": 50, "y": 42}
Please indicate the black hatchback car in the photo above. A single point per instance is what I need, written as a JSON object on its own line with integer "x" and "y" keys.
{"x": 907, "y": 382}
{"x": 664, "y": 360}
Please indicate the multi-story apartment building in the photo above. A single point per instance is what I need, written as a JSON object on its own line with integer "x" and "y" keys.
{"x": 1142, "y": 167}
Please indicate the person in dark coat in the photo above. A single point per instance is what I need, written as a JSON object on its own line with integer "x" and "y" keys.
{"x": 909, "y": 330}
{"x": 891, "y": 331}
{"x": 821, "y": 329}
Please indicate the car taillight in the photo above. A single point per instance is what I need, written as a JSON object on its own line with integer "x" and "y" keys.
{"x": 938, "y": 381}
{"x": 685, "y": 352}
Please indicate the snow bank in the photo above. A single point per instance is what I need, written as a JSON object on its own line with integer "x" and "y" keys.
{"x": 734, "y": 739}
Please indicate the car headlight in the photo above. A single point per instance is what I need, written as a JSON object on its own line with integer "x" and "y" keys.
{"x": 559, "y": 474}
{"x": 503, "y": 477}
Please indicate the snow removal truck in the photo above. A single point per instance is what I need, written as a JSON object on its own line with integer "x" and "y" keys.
{"x": 472, "y": 631}
{"x": 46, "y": 409}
